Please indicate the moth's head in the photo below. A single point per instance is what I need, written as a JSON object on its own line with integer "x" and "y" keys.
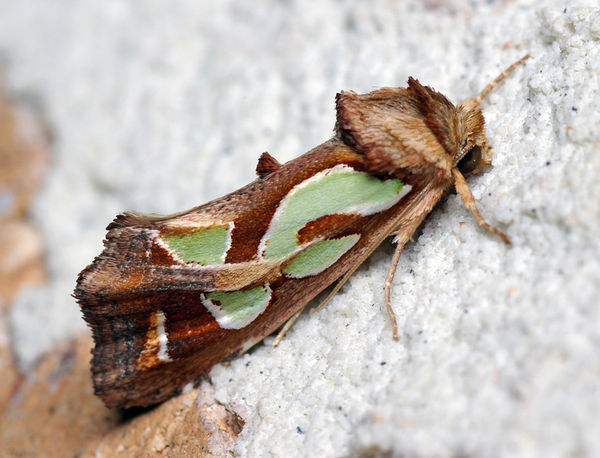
{"x": 458, "y": 129}
{"x": 473, "y": 153}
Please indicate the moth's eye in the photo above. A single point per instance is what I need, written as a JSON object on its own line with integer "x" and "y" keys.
{"x": 470, "y": 161}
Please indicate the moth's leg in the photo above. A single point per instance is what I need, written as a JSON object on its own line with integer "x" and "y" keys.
{"x": 294, "y": 317}
{"x": 463, "y": 189}
{"x": 403, "y": 231}
{"x": 339, "y": 285}
{"x": 403, "y": 235}
{"x": 333, "y": 292}
{"x": 388, "y": 287}
{"x": 288, "y": 324}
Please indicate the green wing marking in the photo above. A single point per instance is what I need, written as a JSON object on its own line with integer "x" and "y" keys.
{"x": 204, "y": 246}
{"x": 319, "y": 256}
{"x": 239, "y": 308}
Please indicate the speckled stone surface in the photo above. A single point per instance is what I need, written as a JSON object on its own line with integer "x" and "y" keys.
{"x": 161, "y": 106}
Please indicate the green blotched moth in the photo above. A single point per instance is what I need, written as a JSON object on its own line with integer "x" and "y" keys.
{"x": 170, "y": 297}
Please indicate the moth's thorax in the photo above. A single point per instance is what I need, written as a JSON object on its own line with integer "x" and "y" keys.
{"x": 412, "y": 131}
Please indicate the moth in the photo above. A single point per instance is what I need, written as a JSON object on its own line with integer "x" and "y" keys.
{"x": 171, "y": 296}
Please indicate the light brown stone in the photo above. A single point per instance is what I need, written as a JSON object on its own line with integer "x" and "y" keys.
{"x": 53, "y": 412}
{"x": 24, "y": 155}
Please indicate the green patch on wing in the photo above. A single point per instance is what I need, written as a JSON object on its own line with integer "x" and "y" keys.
{"x": 239, "y": 308}
{"x": 319, "y": 256}
{"x": 205, "y": 246}
{"x": 335, "y": 192}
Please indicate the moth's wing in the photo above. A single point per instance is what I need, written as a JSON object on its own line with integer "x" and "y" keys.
{"x": 127, "y": 367}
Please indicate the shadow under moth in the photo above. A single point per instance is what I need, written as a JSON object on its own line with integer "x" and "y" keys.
{"x": 171, "y": 296}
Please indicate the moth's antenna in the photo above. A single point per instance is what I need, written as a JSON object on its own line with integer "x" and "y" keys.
{"x": 475, "y": 101}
